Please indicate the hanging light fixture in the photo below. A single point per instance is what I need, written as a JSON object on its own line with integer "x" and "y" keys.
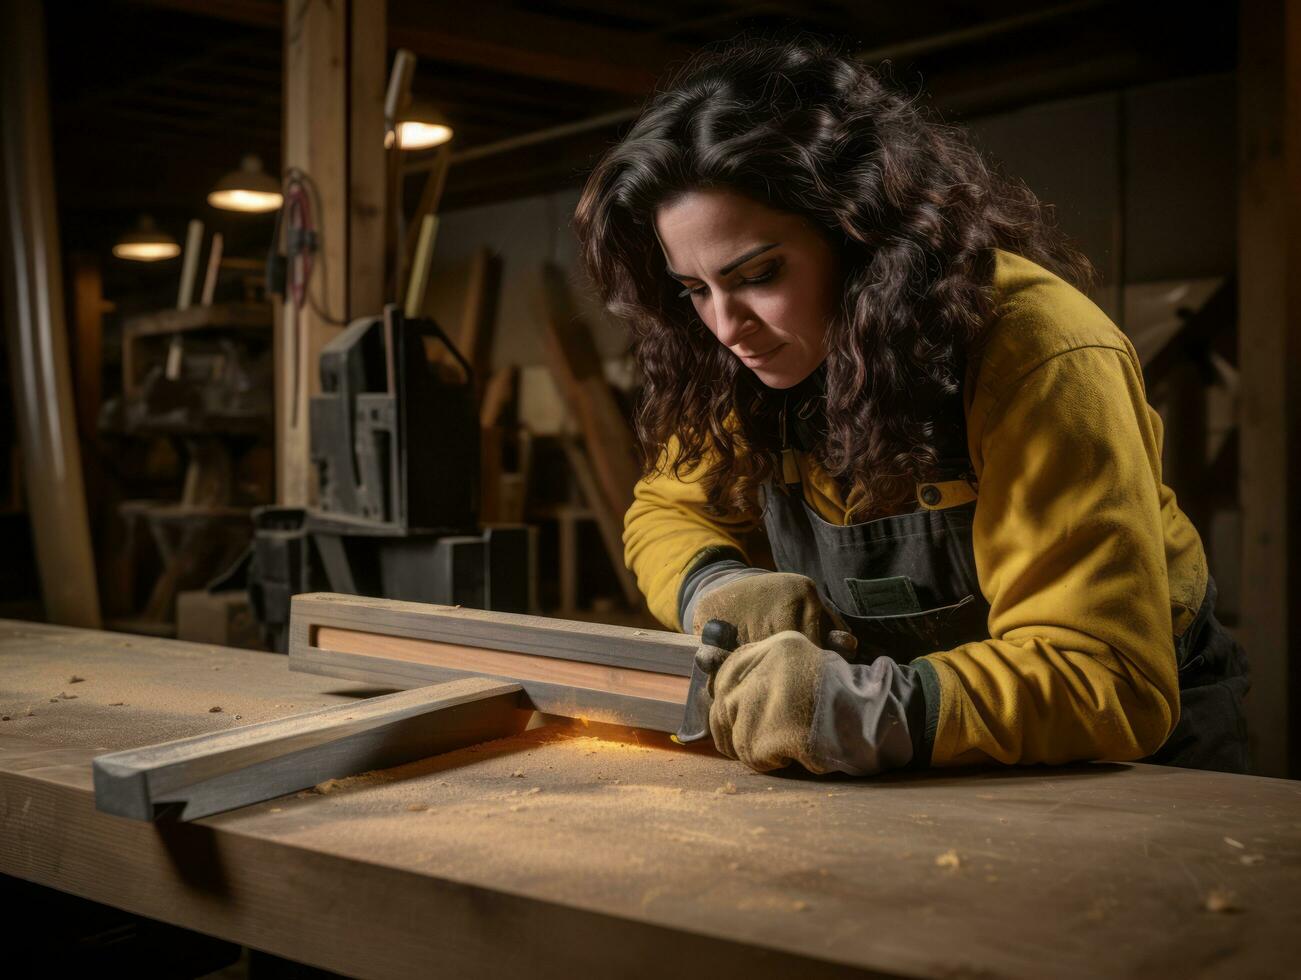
{"x": 249, "y": 188}
{"x": 146, "y": 243}
{"x": 422, "y": 127}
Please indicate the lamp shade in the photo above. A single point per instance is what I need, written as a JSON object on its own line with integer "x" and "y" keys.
{"x": 422, "y": 127}
{"x": 250, "y": 188}
{"x": 146, "y": 243}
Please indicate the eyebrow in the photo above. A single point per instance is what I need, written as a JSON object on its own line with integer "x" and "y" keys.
{"x": 731, "y": 265}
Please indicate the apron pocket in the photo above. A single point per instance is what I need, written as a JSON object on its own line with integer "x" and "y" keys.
{"x": 906, "y": 636}
{"x": 893, "y": 596}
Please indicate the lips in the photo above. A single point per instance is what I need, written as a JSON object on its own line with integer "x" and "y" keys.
{"x": 759, "y": 360}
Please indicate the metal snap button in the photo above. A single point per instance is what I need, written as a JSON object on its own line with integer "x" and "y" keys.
{"x": 931, "y": 495}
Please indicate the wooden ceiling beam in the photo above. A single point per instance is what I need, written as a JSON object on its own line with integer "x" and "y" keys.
{"x": 496, "y": 36}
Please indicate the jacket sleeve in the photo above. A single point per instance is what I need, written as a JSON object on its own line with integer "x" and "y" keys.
{"x": 1070, "y": 554}
{"x": 667, "y": 530}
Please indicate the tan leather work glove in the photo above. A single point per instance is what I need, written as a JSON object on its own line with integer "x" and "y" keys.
{"x": 784, "y": 700}
{"x": 764, "y": 697}
{"x": 762, "y": 605}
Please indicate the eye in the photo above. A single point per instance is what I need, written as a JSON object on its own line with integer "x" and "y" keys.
{"x": 769, "y": 272}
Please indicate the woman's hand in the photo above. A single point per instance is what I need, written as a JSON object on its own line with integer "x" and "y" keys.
{"x": 762, "y": 604}
{"x": 784, "y": 700}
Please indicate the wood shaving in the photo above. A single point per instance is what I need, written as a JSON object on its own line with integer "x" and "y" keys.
{"x": 949, "y": 859}
{"x": 1250, "y": 859}
{"x": 1235, "y": 843}
{"x": 727, "y": 789}
{"x": 417, "y": 807}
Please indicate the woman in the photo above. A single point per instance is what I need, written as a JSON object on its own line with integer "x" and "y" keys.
{"x": 853, "y": 332}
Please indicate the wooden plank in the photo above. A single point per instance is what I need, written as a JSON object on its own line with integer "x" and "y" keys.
{"x": 194, "y": 777}
{"x": 36, "y": 331}
{"x": 579, "y": 670}
{"x": 479, "y": 319}
{"x": 578, "y": 372}
{"x": 608, "y": 522}
{"x": 418, "y": 279}
{"x": 214, "y": 270}
{"x": 1269, "y": 357}
{"x": 431, "y": 194}
{"x": 587, "y": 705}
{"x": 595, "y": 643}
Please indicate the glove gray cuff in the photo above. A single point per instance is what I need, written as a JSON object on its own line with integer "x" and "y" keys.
{"x": 868, "y": 717}
{"x": 706, "y": 577}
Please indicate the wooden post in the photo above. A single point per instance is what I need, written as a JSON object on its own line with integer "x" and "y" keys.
{"x": 36, "y": 332}
{"x": 1269, "y": 311}
{"x": 334, "y": 82}
{"x": 367, "y": 195}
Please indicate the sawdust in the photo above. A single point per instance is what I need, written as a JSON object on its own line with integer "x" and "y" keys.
{"x": 1221, "y": 901}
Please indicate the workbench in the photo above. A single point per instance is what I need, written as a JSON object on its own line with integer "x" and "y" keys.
{"x": 572, "y": 851}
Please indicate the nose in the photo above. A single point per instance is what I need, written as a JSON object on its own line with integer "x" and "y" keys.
{"x": 733, "y": 320}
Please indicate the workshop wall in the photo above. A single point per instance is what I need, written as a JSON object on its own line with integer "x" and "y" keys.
{"x": 1127, "y": 161}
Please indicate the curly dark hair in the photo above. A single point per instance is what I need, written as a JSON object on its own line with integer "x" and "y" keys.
{"x": 909, "y": 204}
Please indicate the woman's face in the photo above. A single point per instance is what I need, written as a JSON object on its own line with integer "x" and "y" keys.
{"x": 764, "y": 282}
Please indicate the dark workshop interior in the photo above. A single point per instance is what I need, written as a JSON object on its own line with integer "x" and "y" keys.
{"x": 312, "y": 298}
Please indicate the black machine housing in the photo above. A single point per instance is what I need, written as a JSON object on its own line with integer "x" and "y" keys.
{"x": 395, "y": 440}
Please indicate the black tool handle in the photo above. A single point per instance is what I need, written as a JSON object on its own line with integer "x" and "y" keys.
{"x": 717, "y": 640}
{"x": 720, "y": 633}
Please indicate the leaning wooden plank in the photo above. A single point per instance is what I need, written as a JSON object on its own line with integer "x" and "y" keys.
{"x": 576, "y": 366}
{"x": 586, "y": 670}
{"x": 205, "y": 774}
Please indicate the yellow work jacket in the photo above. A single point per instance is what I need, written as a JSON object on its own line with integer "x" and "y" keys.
{"x": 1090, "y": 569}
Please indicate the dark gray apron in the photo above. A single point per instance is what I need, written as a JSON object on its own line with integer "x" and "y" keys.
{"x": 906, "y": 585}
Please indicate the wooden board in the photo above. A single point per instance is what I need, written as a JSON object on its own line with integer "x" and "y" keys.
{"x": 588, "y": 670}
{"x": 1269, "y": 357}
{"x": 188, "y": 778}
{"x": 576, "y": 366}
{"x": 317, "y": 84}
{"x": 572, "y": 852}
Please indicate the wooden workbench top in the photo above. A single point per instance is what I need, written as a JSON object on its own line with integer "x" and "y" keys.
{"x": 613, "y": 852}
